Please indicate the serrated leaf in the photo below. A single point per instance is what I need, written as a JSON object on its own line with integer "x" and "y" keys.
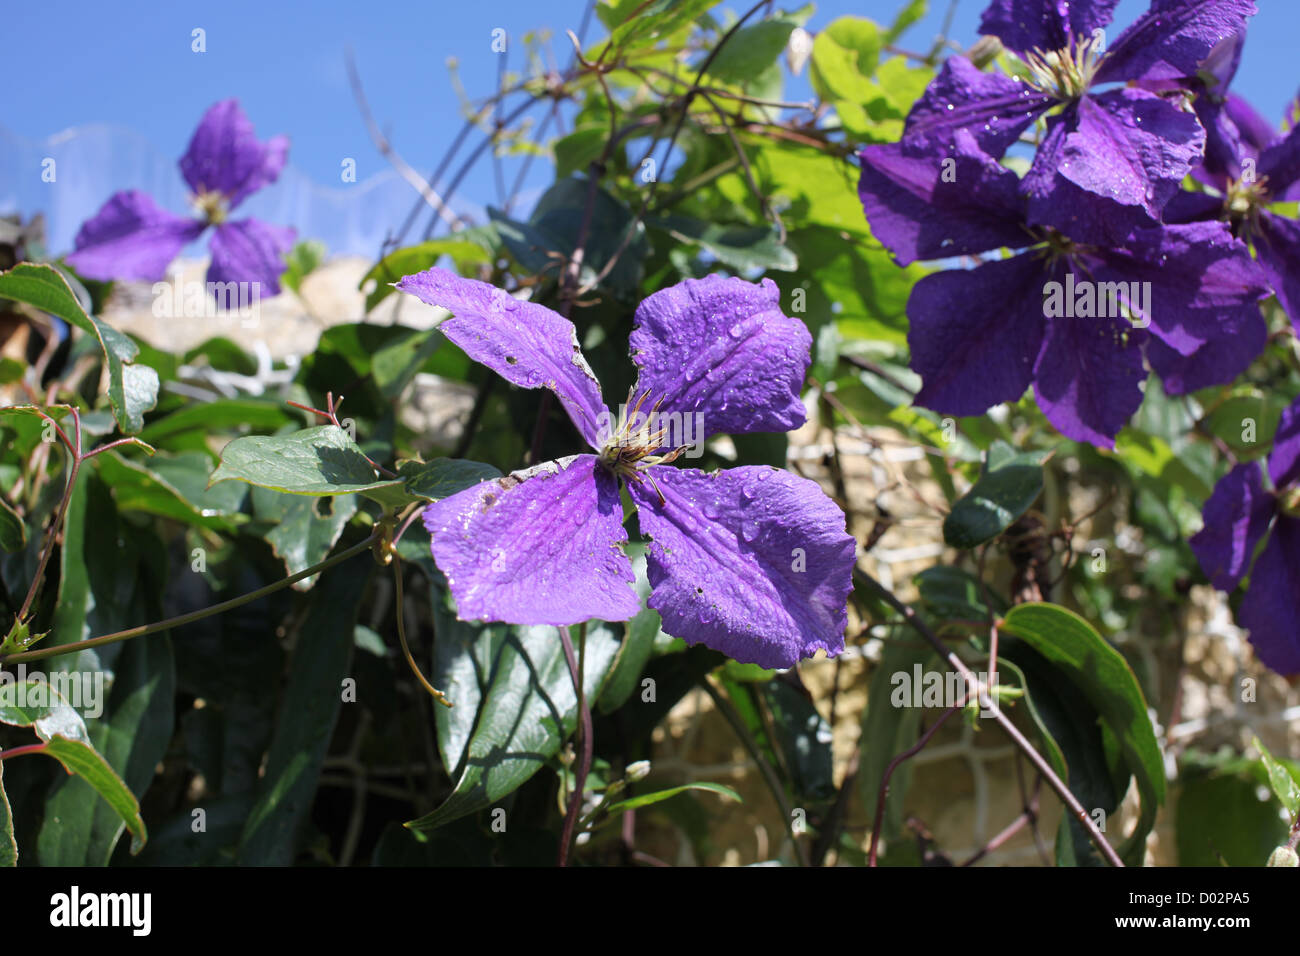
{"x": 132, "y": 389}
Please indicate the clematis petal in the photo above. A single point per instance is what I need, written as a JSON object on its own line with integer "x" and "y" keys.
{"x": 753, "y": 562}
{"x": 525, "y": 343}
{"x": 1088, "y": 377}
{"x": 1128, "y": 145}
{"x": 1277, "y": 247}
{"x": 994, "y": 107}
{"x": 1172, "y": 39}
{"x": 1284, "y": 460}
{"x": 1024, "y": 25}
{"x": 1243, "y": 333}
{"x": 975, "y": 333}
{"x": 1270, "y": 609}
{"x": 720, "y": 348}
{"x": 1236, "y": 517}
{"x": 1193, "y": 278}
{"x": 130, "y": 238}
{"x": 1280, "y": 162}
{"x": 250, "y": 251}
{"x": 224, "y": 155}
{"x": 541, "y": 546}
{"x": 923, "y": 208}
{"x": 1234, "y": 132}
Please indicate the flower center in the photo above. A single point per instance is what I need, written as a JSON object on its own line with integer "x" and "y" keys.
{"x": 1289, "y": 502}
{"x": 212, "y": 206}
{"x": 629, "y": 449}
{"x": 1065, "y": 74}
{"x": 1245, "y": 197}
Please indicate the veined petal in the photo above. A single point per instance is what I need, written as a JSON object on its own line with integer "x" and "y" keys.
{"x": 753, "y": 562}
{"x": 131, "y": 238}
{"x": 1277, "y": 248}
{"x": 932, "y": 208}
{"x": 1024, "y": 25}
{"x": 1270, "y": 609}
{"x": 722, "y": 349}
{"x": 1172, "y": 39}
{"x": 1242, "y": 335}
{"x": 250, "y": 251}
{"x": 994, "y": 107}
{"x": 1280, "y": 162}
{"x": 1127, "y": 145}
{"x": 541, "y": 546}
{"x": 224, "y": 155}
{"x": 1088, "y": 377}
{"x": 525, "y": 343}
{"x": 1191, "y": 281}
{"x": 975, "y": 333}
{"x": 1236, "y": 517}
{"x": 1284, "y": 459}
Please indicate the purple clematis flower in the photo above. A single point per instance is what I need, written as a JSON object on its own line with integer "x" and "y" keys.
{"x": 751, "y": 561}
{"x": 1248, "y": 167}
{"x": 1127, "y": 143}
{"x": 132, "y": 238}
{"x": 1071, "y": 315}
{"x": 1239, "y": 515}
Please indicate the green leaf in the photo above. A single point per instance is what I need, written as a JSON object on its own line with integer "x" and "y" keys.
{"x": 1285, "y": 783}
{"x": 575, "y": 152}
{"x": 315, "y": 461}
{"x": 910, "y": 14}
{"x": 192, "y": 426}
{"x": 1221, "y": 819}
{"x": 304, "y": 258}
{"x": 1011, "y": 482}
{"x": 302, "y": 535}
{"x": 443, "y": 477}
{"x": 659, "y": 796}
{"x": 888, "y": 730}
{"x": 804, "y": 739}
{"x": 844, "y": 55}
{"x": 514, "y": 704}
{"x": 637, "y": 24}
{"x": 949, "y": 592}
{"x": 751, "y": 50}
{"x": 13, "y": 533}
{"x": 132, "y": 389}
{"x": 80, "y": 758}
{"x": 8, "y": 846}
{"x": 173, "y": 486}
{"x": 743, "y": 248}
{"x": 1152, "y": 456}
{"x": 1070, "y": 644}
{"x": 468, "y": 250}
{"x": 308, "y": 713}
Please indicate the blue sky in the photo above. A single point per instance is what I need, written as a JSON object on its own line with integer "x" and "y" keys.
{"x": 130, "y": 63}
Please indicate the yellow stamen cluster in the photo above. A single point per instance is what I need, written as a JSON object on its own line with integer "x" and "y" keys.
{"x": 629, "y": 451}
{"x": 212, "y": 206}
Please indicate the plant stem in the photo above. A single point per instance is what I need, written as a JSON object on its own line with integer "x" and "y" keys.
{"x": 192, "y": 616}
{"x": 584, "y": 739}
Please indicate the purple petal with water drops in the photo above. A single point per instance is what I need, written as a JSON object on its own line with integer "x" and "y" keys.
{"x": 1024, "y": 25}
{"x": 993, "y": 107}
{"x": 721, "y": 349}
{"x": 1173, "y": 39}
{"x": 1284, "y": 459}
{"x": 974, "y": 334}
{"x": 250, "y": 250}
{"x": 1270, "y": 609}
{"x": 541, "y": 546}
{"x": 1127, "y": 144}
{"x": 130, "y": 237}
{"x": 224, "y": 155}
{"x": 1236, "y": 517}
{"x": 931, "y": 208}
{"x": 753, "y": 562}
{"x": 525, "y": 343}
{"x": 1088, "y": 378}
{"x": 1277, "y": 248}
{"x": 1184, "y": 282}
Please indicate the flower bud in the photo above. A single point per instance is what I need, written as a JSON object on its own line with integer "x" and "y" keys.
{"x": 1284, "y": 856}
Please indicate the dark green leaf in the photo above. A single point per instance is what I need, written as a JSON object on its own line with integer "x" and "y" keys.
{"x": 8, "y": 846}
{"x": 13, "y": 533}
{"x": 1011, "y": 482}
{"x": 743, "y": 248}
{"x": 132, "y": 389}
{"x": 645, "y": 800}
